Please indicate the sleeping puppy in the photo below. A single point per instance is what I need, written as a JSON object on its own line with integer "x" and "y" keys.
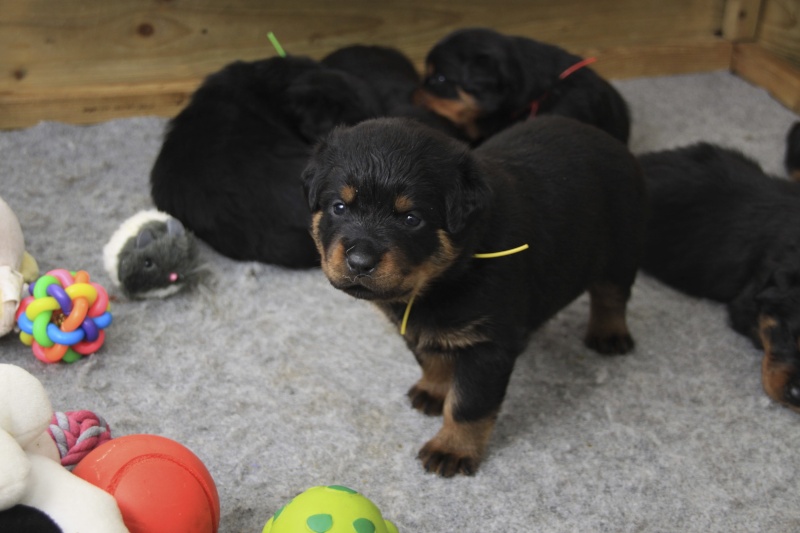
{"x": 393, "y": 78}
{"x": 484, "y": 81}
{"x": 720, "y": 228}
{"x": 400, "y": 212}
{"x": 229, "y": 165}
{"x": 792, "y": 157}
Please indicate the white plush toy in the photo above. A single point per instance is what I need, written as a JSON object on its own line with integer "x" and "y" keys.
{"x": 32, "y": 481}
{"x": 16, "y": 266}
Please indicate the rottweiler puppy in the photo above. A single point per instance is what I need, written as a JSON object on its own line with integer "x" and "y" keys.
{"x": 722, "y": 229}
{"x": 792, "y": 156}
{"x": 484, "y": 81}
{"x": 230, "y": 161}
{"x": 403, "y": 213}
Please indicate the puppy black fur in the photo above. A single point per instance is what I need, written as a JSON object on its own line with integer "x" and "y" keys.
{"x": 399, "y": 209}
{"x": 792, "y": 156}
{"x": 720, "y": 228}
{"x": 393, "y": 78}
{"x": 484, "y": 81}
{"x": 230, "y": 161}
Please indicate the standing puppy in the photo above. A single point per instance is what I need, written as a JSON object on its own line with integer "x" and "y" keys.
{"x": 400, "y": 212}
{"x": 484, "y": 81}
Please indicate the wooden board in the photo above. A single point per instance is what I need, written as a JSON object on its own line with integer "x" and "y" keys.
{"x": 741, "y": 19}
{"x": 778, "y": 76}
{"x": 779, "y": 30}
{"x": 84, "y": 61}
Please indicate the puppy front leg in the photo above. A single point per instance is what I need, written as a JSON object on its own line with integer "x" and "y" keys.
{"x": 429, "y": 393}
{"x": 470, "y": 410}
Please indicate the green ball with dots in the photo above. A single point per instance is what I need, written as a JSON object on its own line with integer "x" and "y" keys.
{"x": 329, "y": 509}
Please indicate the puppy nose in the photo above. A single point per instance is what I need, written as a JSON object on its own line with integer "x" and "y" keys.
{"x": 361, "y": 262}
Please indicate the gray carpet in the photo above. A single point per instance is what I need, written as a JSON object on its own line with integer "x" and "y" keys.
{"x": 279, "y": 383}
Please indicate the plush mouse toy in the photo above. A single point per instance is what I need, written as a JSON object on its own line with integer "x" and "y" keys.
{"x": 16, "y": 266}
{"x": 37, "y": 494}
{"x": 151, "y": 255}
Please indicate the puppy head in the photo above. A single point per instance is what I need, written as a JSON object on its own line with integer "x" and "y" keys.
{"x": 393, "y": 204}
{"x": 472, "y": 73}
{"x": 779, "y": 330}
{"x": 320, "y": 99}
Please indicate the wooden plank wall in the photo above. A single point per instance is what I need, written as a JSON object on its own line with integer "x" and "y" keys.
{"x": 84, "y": 61}
{"x": 771, "y": 58}
{"x": 779, "y": 30}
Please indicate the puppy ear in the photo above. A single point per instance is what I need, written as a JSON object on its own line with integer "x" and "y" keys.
{"x": 311, "y": 176}
{"x": 467, "y": 197}
{"x": 780, "y": 294}
{"x": 321, "y": 100}
{"x": 773, "y": 289}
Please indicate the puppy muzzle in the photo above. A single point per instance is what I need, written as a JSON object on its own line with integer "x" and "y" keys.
{"x": 362, "y": 260}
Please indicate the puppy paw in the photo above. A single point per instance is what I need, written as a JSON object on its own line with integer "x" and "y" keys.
{"x": 610, "y": 344}
{"x": 425, "y": 402}
{"x": 447, "y": 462}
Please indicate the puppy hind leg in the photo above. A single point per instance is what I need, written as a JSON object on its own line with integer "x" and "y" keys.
{"x": 608, "y": 329}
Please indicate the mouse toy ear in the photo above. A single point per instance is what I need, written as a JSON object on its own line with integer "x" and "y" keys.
{"x": 144, "y": 238}
{"x": 174, "y": 227}
{"x": 468, "y": 195}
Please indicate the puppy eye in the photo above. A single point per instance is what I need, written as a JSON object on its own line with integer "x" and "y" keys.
{"x": 436, "y": 79}
{"x": 412, "y": 220}
{"x": 339, "y": 208}
{"x": 148, "y": 263}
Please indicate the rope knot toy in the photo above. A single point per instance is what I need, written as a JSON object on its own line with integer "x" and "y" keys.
{"x": 64, "y": 316}
{"x": 76, "y": 433}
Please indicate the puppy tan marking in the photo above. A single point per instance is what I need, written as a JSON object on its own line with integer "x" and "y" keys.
{"x": 463, "y": 111}
{"x": 429, "y": 393}
{"x": 315, "y": 220}
{"x": 348, "y": 194}
{"x": 774, "y": 374}
{"x": 459, "y": 446}
{"x": 403, "y": 204}
{"x": 436, "y": 264}
{"x": 449, "y": 340}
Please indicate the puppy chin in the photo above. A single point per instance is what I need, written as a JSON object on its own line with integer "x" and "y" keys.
{"x": 367, "y": 291}
{"x": 364, "y": 293}
{"x": 463, "y": 111}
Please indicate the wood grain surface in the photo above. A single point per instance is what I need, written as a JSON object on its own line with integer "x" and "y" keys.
{"x": 84, "y": 61}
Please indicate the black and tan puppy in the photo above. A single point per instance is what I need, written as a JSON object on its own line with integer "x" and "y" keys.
{"x": 720, "y": 228}
{"x": 229, "y": 165}
{"x": 484, "y": 81}
{"x": 400, "y": 212}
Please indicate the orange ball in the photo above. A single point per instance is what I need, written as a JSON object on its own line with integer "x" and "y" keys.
{"x": 160, "y": 486}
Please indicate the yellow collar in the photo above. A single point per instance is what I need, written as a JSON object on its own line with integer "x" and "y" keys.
{"x": 490, "y": 255}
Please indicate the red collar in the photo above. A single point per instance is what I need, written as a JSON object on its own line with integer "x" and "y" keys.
{"x": 534, "y": 107}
